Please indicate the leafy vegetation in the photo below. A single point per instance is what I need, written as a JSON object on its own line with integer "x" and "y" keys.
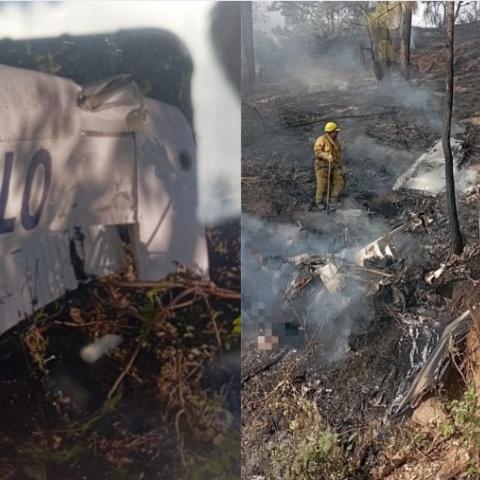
{"x": 465, "y": 414}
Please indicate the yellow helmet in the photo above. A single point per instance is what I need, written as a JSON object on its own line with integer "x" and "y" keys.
{"x": 331, "y": 127}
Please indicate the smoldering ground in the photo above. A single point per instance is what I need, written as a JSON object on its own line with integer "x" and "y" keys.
{"x": 385, "y": 126}
{"x": 326, "y": 66}
{"x": 329, "y": 319}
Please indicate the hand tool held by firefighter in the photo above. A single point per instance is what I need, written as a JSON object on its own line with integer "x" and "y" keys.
{"x": 327, "y": 203}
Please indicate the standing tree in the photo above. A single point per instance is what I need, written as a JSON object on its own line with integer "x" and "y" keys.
{"x": 378, "y": 18}
{"x": 305, "y": 21}
{"x": 383, "y": 18}
{"x": 247, "y": 55}
{"x": 456, "y": 235}
{"x": 406, "y": 9}
{"x": 435, "y": 12}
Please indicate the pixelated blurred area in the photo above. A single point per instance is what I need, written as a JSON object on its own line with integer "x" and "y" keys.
{"x": 275, "y": 325}
{"x": 275, "y": 334}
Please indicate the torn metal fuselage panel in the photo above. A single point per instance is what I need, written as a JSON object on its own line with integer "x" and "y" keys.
{"x": 78, "y": 163}
{"x": 426, "y": 177}
{"x": 384, "y": 246}
{"x": 428, "y": 376}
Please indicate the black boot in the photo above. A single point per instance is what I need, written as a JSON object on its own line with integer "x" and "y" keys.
{"x": 317, "y": 206}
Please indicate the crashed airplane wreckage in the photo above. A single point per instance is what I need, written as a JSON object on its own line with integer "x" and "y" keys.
{"x": 78, "y": 162}
{"x": 362, "y": 268}
{"x": 334, "y": 273}
{"x": 432, "y": 371}
{"x": 426, "y": 177}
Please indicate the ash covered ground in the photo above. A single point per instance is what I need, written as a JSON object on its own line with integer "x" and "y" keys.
{"x": 327, "y": 408}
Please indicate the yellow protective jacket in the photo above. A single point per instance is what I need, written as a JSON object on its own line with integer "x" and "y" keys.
{"x": 326, "y": 146}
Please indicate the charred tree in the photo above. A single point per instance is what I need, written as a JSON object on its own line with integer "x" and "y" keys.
{"x": 456, "y": 235}
{"x": 247, "y": 54}
{"x": 406, "y": 37}
{"x": 459, "y": 5}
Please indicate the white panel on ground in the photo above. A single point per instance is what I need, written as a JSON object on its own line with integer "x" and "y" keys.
{"x": 98, "y": 187}
{"x": 427, "y": 174}
{"x": 36, "y": 105}
{"x": 62, "y": 166}
{"x": 168, "y": 229}
{"x": 9, "y": 314}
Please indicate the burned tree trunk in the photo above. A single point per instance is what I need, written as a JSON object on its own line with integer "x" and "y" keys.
{"x": 456, "y": 235}
{"x": 406, "y": 40}
{"x": 457, "y": 11}
{"x": 248, "y": 59}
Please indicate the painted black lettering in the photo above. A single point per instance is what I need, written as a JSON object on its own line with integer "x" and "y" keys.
{"x": 6, "y": 224}
{"x": 41, "y": 158}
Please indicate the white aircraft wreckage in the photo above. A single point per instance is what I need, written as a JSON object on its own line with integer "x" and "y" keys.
{"x": 335, "y": 270}
{"x": 426, "y": 177}
{"x": 78, "y": 162}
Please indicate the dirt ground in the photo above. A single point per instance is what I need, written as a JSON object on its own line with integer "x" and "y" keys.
{"x": 349, "y": 403}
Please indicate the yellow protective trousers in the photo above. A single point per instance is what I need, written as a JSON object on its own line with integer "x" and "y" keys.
{"x": 337, "y": 182}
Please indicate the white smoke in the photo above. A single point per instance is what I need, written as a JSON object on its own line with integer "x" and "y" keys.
{"x": 331, "y": 317}
{"x": 94, "y": 351}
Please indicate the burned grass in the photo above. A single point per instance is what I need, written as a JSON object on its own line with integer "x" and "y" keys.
{"x": 353, "y": 402}
{"x": 283, "y": 434}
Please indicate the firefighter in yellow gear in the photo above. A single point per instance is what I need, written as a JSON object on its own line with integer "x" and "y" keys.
{"x": 327, "y": 151}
